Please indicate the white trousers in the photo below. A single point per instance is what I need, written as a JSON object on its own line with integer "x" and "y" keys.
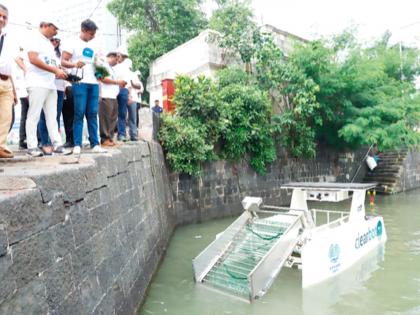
{"x": 42, "y": 99}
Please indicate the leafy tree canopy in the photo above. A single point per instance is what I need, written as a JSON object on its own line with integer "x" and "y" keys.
{"x": 365, "y": 94}
{"x": 234, "y": 20}
{"x": 158, "y": 26}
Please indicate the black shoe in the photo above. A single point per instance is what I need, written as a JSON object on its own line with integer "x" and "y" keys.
{"x": 23, "y": 146}
{"x": 68, "y": 145}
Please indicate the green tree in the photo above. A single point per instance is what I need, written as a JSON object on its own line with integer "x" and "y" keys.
{"x": 364, "y": 95}
{"x": 157, "y": 26}
{"x": 234, "y": 20}
{"x": 294, "y": 93}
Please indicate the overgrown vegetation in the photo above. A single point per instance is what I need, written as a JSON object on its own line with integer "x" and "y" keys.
{"x": 333, "y": 91}
{"x": 231, "y": 114}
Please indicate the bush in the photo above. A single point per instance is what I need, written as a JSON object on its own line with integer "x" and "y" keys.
{"x": 184, "y": 142}
{"x": 230, "y": 113}
{"x": 246, "y": 112}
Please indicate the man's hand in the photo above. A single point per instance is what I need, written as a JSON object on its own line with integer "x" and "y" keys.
{"x": 121, "y": 83}
{"x": 79, "y": 64}
{"x": 60, "y": 74}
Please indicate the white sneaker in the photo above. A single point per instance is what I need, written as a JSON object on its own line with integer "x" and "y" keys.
{"x": 98, "y": 149}
{"x": 76, "y": 149}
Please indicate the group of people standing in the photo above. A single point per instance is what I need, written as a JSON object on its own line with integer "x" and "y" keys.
{"x": 63, "y": 79}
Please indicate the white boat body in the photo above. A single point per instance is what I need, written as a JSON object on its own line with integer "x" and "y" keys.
{"x": 333, "y": 250}
{"x": 335, "y": 246}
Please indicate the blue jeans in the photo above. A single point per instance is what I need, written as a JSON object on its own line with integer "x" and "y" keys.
{"x": 42, "y": 125}
{"x": 86, "y": 98}
{"x": 122, "y": 99}
{"x": 132, "y": 120}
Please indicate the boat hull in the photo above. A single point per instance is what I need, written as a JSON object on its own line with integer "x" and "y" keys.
{"x": 332, "y": 250}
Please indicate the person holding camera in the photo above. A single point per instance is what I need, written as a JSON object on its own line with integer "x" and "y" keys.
{"x": 80, "y": 54}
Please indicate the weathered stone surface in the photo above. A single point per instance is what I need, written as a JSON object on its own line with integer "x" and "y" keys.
{"x": 3, "y": 240}
{"x": 81, "y": 234}
{"x": 63, "y": 238}
{"x": 223, "y": 185}
{"x": 106, "y": 306}
{"x": 91, "y": 293}
{"x": 31, "y": 257}
{"x": 59, "y": 282}
{"x": 27, "y": 300}
{"x": 410, "y": 177}
{"x": 24, "y": 214}
{"x": 72, "y": 182}
{"x": 82, "y": 261}
{"x": 72, "y": 304}
{"x": 100, "y": 218}
{"x": 81, "y": 222}
{"x": 8, "y": 284}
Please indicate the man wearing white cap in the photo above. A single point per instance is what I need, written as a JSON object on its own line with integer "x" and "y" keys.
{"x": 42, "y": 71}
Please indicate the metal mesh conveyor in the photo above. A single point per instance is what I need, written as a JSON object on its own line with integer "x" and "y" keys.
{"x": 245, "y": 259}
{"x": 246, "y": 250}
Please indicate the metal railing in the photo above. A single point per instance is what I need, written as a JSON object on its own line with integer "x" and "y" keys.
{"x": 331, "y": 216}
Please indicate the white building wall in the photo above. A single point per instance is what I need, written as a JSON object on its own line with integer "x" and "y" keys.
{"x": 195, "y": 57}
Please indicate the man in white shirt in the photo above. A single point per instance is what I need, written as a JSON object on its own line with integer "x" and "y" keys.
{"x": 40, "y": 77}
{"x": 7, "y": 90}
{"x": 108, "y": 105}
{"x": 134, "y": 98}
{"x": 76, "y": 55}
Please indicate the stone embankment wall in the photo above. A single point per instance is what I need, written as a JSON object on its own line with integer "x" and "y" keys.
{"x": 222, "y": 186}
{"x": 83, "y": 238}
{"x": 410, "y": 175}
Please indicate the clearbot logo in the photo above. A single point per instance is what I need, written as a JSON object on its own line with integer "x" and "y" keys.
{"x": 365, "y": 238}
{"x": 334, "y": 256}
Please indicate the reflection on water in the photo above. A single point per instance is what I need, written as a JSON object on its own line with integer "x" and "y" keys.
{"x": 383, "y": 283}
{"x": 319, "y": 298}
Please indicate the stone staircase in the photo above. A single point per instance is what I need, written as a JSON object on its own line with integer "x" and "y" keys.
{"x": 388, "y": 172}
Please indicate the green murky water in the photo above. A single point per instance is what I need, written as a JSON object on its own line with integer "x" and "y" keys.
{"x": 375, "y": 286}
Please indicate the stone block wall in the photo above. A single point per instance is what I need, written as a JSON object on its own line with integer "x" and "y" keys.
{"x": 410, "y": 175}
{"x": 83, "y": 238}
{"x": 218, "y": 192}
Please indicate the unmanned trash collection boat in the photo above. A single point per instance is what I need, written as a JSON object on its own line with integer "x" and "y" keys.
{"x": 245, "y": 259}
